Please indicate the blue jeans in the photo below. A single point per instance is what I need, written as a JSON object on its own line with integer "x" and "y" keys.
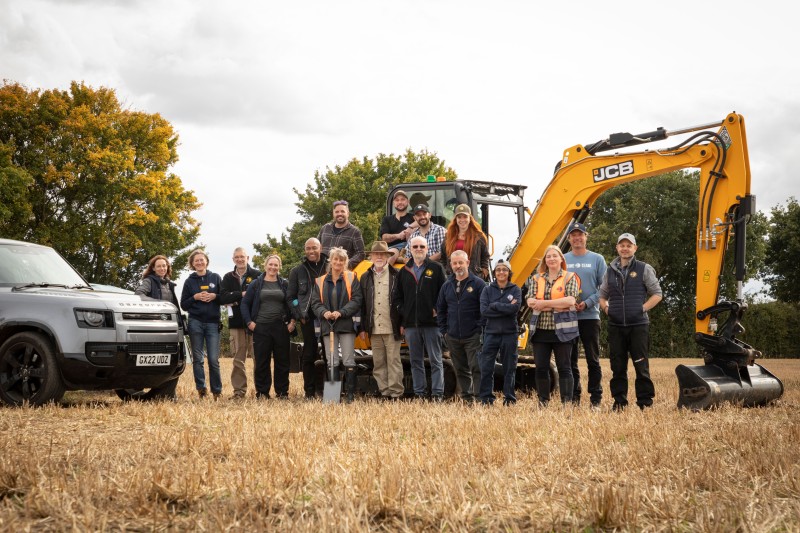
{"x": 507, "y": 346}
{"x": 419, "y": 341}
{"x": 207, "y": 333}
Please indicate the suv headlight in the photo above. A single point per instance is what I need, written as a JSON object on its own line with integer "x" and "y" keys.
{"x": 94, "y": 318}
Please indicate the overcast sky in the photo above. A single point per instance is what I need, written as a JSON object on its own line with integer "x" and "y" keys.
{"x": 265, "y": 93}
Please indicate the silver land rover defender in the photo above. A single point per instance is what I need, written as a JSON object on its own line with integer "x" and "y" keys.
{"x": 57, "y": 333}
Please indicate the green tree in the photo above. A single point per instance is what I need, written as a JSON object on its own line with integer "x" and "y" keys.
{"x": 771, "y": 328}
{"x": 99, "y": 185}
{"x": 782, "y": 266}
{"x": 364, "y": 184}
{"x": 15, "y": 210}
{"x": 662, "y": 213}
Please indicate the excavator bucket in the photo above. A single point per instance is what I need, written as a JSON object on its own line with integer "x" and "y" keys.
{"x": 710, "y": 385}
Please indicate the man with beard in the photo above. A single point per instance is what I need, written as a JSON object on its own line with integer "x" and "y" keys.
{"x": 396, "y": 228}
{"x": 432, "y": 233}
{"x": 458, "y": 313}
{"x": 380, "y": 320}
{"x": 629, "y": 290}
{"x": 301, "y": 283}
{"x": 233, "y": 288}
{"x": 341, "y": 233}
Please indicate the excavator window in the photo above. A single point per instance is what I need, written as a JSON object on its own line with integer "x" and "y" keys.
{"x": 441, "y": 198}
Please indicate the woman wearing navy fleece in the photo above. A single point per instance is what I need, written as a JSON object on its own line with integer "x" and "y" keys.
{"x": 199, "y": 299}
{"x": 500, "y": 302}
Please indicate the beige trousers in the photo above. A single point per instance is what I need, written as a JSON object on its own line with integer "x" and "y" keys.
{"x": 387, "y": 366}
{"x": 241, "y": 345}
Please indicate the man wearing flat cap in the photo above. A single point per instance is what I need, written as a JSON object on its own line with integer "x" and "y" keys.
{"x": 629, "y": 290}
{"x": 380, "y": 320}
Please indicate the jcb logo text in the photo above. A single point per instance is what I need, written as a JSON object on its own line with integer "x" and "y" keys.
{"x": 613, "y": 171}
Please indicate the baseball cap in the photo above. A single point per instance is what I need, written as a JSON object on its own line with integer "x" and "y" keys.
{"x": 627, "y": 236}
{"x": 399, "y": 192}
{"x": 463, "y": 209}
{"x": 422, "y": 207}
{"x": 501, "y": 262}
{"x": 577, "y": 227}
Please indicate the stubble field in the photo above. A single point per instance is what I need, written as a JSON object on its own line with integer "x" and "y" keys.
{"x": 96, "y": 463}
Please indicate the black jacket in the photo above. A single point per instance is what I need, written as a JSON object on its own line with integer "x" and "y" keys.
{"x": 478, "y": 258}
{"x": 348, "y": 307}
{"x": 231, "y": 294}
{"x": 251, "y": 302}
{"x": 368, "y": 304}
{"x": 301, "y": 282}
{"x": 416, "y": 300}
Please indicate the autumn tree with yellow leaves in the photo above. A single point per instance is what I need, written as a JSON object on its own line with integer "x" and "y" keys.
{"x": 92, "y": 179}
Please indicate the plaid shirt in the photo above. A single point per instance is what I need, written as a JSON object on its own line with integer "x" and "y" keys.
{"x": 434, "y": 238}
{"x": 350, "y": 239}
{"x": 546, "y": 320}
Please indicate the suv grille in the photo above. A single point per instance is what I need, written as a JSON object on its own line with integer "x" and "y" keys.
{"x": 147, "y": 316}
{"x": 99, "y": 350}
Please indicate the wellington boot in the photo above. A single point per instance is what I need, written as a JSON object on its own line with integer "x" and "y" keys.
{"x": 350, "y": 384}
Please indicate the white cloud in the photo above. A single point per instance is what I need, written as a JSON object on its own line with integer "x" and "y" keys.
{"x": 264, "y": 93}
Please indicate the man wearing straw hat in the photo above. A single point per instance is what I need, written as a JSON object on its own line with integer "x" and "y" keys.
{"x": 380, "y": 320}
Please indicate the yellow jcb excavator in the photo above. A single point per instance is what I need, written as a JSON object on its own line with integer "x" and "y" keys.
{"x": 725, "y": 206}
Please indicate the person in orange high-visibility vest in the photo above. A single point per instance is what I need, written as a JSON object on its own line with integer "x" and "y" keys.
{"x": 336, "y": 301}
{"x": 554, "y": 291}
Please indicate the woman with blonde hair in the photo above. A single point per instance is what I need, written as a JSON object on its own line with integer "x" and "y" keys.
{"x": 464, "y": 233}
{"x": 336, "y": 301}
{"x": 265, "y": 312}
{"x": 552, "y": 295}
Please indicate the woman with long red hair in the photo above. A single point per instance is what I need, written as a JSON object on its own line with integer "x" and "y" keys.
{"x": 464, "y": 233}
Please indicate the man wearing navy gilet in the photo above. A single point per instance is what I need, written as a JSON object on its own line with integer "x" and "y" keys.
{"x": 629, "y": 290}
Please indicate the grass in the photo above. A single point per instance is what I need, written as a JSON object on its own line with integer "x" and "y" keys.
{"x": 96, "y": 463}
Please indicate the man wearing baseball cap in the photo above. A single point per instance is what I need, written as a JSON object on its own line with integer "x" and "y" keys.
{"x": 629, "y": 290}
{"x": 396, "y": 228}
{"x": 432, "y": 233}
{"x": 591, "y": 268}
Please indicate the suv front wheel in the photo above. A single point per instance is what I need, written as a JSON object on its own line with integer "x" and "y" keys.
{"x": 28, "y": 370}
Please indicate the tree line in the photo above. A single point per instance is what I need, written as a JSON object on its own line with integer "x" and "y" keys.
{"x": 81, "y": 173}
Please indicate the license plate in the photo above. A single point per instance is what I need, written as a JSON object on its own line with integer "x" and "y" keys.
{"x": 153, "y": 359}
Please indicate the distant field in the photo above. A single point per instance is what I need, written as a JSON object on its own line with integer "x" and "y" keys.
{"x": 97, "y": 463}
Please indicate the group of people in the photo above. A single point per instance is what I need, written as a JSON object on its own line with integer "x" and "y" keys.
{"x": 443, "y": 291}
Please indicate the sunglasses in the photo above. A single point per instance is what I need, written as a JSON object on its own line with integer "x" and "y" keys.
{"x": 340, "y": 202}
{"x": 419, "y": 247}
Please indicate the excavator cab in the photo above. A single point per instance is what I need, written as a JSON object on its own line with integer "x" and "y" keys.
{"x": 442, "y": 197}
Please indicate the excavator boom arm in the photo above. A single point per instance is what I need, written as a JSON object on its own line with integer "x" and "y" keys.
{"x": 583, "y": 175}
